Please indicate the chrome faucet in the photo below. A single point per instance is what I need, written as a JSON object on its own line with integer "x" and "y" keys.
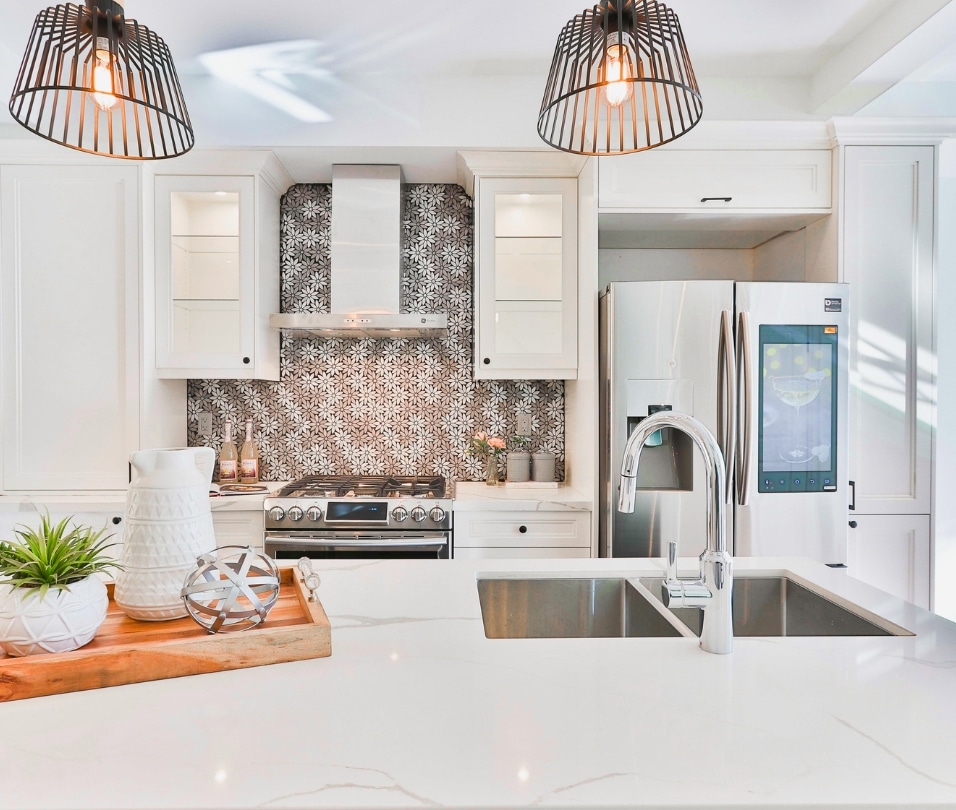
{"x": 713, "y": 590}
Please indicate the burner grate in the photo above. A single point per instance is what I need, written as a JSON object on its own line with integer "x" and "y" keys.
{"x": 366, "y": 486}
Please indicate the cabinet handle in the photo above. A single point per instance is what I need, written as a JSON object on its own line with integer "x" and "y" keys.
{"x": 853, "y": 495}
{"x": 117, "y": 521}
{"x": 718, "y": 199}
{"x": 853, "y": 524}
{"x": 487, "y": 361}
{"x": 523, "y": 529}
{"x": 246, "y": 360}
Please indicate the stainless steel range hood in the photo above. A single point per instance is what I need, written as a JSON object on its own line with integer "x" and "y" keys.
{"x": 366, "y": 263}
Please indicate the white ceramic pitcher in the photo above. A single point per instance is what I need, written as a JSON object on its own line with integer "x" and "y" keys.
{"x": 168, "y": 525}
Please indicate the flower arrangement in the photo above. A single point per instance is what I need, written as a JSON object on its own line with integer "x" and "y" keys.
{"x": 488, "y": 448}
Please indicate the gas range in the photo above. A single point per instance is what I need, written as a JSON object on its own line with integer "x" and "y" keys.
{"x": 359, "y": 516}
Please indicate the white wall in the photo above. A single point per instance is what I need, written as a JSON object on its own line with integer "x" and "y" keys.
{"x": 945, "y": 478}
{"x": 647, "y": 264}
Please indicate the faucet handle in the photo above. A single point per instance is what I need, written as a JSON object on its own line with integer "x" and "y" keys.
{"x": 672, "y": 560}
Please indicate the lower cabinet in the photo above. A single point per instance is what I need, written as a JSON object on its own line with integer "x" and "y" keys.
{"x": 892, "y": 553}
{"x": 244, "y": 528}
{"x": 485, "y": 535}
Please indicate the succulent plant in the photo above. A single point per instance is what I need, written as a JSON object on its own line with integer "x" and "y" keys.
{"x": 54, "y": 555}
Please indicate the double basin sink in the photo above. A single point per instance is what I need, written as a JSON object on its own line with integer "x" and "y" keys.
{"x": 614, "y": 607}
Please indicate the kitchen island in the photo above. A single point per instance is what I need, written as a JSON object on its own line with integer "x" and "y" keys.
{"x": 416, "y": 708}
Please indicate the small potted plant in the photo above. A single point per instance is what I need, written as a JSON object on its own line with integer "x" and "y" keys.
{"x": 51, "y": 599}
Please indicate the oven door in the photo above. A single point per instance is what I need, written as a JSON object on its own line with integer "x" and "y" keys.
{"x": 358, "y": 545}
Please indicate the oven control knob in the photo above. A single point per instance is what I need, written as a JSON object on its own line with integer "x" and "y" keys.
{"x": 437, "y": 514}
{"x": 296, "y": 513}
{"x": 277, "y": 513}
{"x": 400, "y": 513}
{"x": 314, "y": 514}
{"x": 418, "y": 514}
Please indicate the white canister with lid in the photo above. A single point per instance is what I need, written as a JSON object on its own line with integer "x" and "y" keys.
{"x": 542, "y": 466}
{"x": 519, "y": 466}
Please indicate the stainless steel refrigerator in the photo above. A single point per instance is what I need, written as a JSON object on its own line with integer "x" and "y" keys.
{"x": 764, "y": 366}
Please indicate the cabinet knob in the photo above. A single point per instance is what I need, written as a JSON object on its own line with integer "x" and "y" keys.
{"x": 117, "y": 521}
{"x": 523, "y": 529}
{"x": 853, "y": 524}
{"x": 246, "y": 360}
{"x": 487, "y": 361}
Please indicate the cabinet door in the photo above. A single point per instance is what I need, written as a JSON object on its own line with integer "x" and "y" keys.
{"x": 888, "y": 261}
{"x": 522, "y": 530}
{"x": 506, "y": 553}
{"x": 695, "y": 180}
{"x": 891, "y": 552}
{"x": 206, "y": 315}
{"x": 526, "y": 279}
{"x": 69, "y": 362}
{"x": 240, "y": 528}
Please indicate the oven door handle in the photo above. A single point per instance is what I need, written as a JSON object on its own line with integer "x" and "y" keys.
{"x": 392, "y": 542}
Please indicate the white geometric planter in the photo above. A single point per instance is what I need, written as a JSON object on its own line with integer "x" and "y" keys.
{"x": 59, "y": 622}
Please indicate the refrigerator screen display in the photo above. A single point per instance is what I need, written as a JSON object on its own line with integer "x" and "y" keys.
{"x": 797, "y": 435}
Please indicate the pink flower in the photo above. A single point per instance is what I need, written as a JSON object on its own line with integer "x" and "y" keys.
{"x": 498, "y": 444}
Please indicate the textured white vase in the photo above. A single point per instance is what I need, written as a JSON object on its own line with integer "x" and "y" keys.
{"x": 59, "y": 622}
{"x": 168, "y": 525}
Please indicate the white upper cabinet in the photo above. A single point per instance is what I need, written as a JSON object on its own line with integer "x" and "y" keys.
{"x": 69, "y": 326}
{"x": 217, "y": 275}
{"x": 715, "y": 180}
{"x": 526, "y": 278}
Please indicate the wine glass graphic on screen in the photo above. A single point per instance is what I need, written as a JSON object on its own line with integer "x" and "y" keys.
{"x": 796, "y": 392}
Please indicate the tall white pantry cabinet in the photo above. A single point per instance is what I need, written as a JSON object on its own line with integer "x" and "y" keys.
{"x": 77, "y": 396}
{"x": 888, "y": 258}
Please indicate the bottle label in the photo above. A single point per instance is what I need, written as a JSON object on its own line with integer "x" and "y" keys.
{"x": 249, "y": 471}
{"x": 228, "y": 471}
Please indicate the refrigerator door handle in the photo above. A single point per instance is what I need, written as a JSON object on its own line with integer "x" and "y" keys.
{"x": 745, "y": 385}
{"x": 726, "y": 399}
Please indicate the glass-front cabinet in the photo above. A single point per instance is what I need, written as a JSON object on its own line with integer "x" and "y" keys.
{"x": 216, "y": 278}
{"x": 526, "y": 292}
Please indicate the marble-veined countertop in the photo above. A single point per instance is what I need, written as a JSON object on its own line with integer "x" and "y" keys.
{"x": 416, "y": 708}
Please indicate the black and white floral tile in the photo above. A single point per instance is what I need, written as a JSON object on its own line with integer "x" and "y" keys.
{"x": 403, "y": 406}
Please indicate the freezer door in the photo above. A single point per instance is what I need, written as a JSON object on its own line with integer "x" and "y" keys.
{"x": 658, "y": 348}
{"x": 792, "y": 486}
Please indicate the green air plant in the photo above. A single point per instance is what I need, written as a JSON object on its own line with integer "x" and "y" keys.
{"x": 54, "y": 556}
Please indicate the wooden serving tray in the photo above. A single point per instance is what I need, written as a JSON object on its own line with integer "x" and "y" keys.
{"x": 129, "y": 651}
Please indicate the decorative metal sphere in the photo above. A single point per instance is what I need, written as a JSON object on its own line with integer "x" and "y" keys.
{"x": 234, "y": 588}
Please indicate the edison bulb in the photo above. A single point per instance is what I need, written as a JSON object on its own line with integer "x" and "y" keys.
{"x": 103, "y": 80}
{"x": 617, "y": 74}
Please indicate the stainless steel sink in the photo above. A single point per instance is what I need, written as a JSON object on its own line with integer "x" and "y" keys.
{"x": 780, "y": 606}
{"x": 547, "y": 607}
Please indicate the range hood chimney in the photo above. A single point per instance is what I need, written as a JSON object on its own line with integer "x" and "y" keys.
{"x": 366, "y": 263}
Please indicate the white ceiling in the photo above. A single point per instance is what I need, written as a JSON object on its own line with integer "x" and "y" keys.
{"x": 413, "y": 81}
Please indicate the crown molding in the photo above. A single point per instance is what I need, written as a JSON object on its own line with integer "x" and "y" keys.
{"x": 515, "y": 163}
{"x": 883, "y": 131}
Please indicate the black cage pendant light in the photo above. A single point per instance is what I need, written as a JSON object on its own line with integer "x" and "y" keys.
{"x": 621, "y": 81}
{"x": 94, "y": 81}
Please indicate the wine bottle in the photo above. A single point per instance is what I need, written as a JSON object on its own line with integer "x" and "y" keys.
{"x": 228, "y": 458}
{"x": 249, "y": 458}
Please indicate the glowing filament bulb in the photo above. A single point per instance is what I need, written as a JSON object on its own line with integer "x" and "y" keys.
{"x": 617, "y": 74}
{"x": 103, "y": 80}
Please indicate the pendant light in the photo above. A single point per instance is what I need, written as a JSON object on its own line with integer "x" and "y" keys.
{"x": 94, "y": 81}
{"x": 621, "y": 81}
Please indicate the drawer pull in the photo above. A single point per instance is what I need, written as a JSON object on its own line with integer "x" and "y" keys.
{"x": 853, "y": 524}
{"x": 523, "y": 529}
{"x": 117, "y": 521}
{"x": 715, "y": 199}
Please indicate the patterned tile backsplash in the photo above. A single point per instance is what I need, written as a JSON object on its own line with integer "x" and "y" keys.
{"x": 404, "y": 406}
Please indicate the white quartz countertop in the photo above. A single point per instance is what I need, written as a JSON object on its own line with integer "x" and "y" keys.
{"x": 416, "y": 708}
{"x": 471, "y": 496}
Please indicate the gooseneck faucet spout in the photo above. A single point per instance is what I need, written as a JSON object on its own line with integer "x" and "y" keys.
{"x": 712, "y": 591}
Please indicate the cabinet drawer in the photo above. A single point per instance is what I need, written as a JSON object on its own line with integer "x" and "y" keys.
{"x": 700, "y": 180}
{"x": 522, "y": 530}
{"x": 520, "y": 553}
{"x": 239, "y": 528}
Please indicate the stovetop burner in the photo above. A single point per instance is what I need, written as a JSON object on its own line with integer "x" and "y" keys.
{"x": 365, "y": 486}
